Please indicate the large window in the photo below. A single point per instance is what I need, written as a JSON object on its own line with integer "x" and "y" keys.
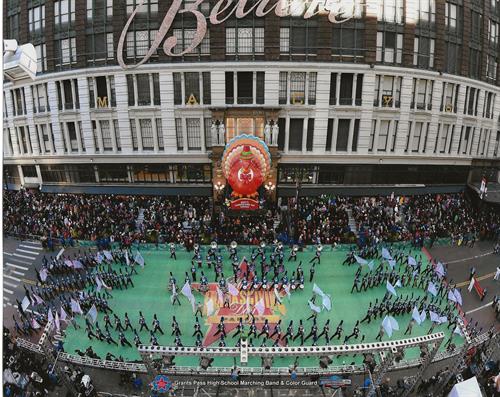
{"x": 389, "y": 47}
{"x": 423, "y": 52}
{"x": 298, "y": 36}
{"x": 143, "y": 89}
{"x": 387, "y": 91}
{"x": 245, "y": 40}
{"x": 246, "y": 87}
{"x": 178, "y": 134}
{"x": 196, "y": 89}
{"x": 453, "y": 36}
{"x": 36, "y": 19}
{"x": 185, "y": 38}
{"x": 471, "y": 101}
{"x": 41, "y": 57}
{"x": 449, "y": 97}
{"x": 67, "y": 94}
{"x": 65, "y": 50}
{"x": 64, "y": 12}
{"x": 193, "y": 131}
{"x": 40, "y": 98}
{"x": 296, "y": 132}
{"x": 18, "y": 101}
{"x": 139, "y": 42}
{"x": 348, "y": 40}
{"x": 295, "y": 83}
{"x": 147, "y": 134}
{"x": 100, "y": 47}
{"x": 390, "y": 11}
{"x": 102, "y": 91}
{"x": 342, "y": 134}
{"x": 99, "y": 11}
{"x": 422, "y": 94}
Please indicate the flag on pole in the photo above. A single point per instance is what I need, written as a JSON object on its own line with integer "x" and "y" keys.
{"x": 98, "y": 283}
{"x": 220, "y": 296}
{"x": 25, "y": 303}
{"x": 43, "y": 274}
{"x": 108, "y": 255}
{"x": 389, "y": 324}
{"x": 360, "y": 260}
{"x": 59, "y": 253}
{"x": 416, "y": 316}
{"x": 99, "y": 258}
{"x": 398, "y": 284}
{"x": 431, "y": 288}
{"x": 458, "y": 331}
{"x": 327, "y": 302}
{"x": 439, "y": 269}
{"x": 92, "y": 313}
{"x": 471, "y": 284}
{"x": 313, "y": 307}
{"x": 412, "y": 261}
{"x": 443, "y": 319}
{"x": 391, "y": 288}
{"x": 318, "y": 290}
{"x": 50, "y": 316}
{"x": 77, "y": 264}
{"x": 186, "y": 291}
{"x": 68, "y": 263}
{"x": 210, "y": 307}
{"x": 434, "y": 317}
{"x": 391, "y": 263}
{"x": 35, "y": 324}
{"x": 38, "y": 300}
{"x": 127, "y": 259}
{"x": 457, "y": 295}
{"x": 139, "y": 259}
{"x": 64, "y": 316}
{"x": 286, "y": 287}
{"x": 260, "y": 307}
{"x": 75, "y": 307}
{"x": 386, "y": 254}
{"x": 57, "y": 322}
{"x": 370, "y": 265}
{"x": 232, "y": 289}
{"x": 276, "y": 293}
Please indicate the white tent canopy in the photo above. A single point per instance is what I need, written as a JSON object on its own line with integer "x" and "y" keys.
{"x": 467, "y": 388}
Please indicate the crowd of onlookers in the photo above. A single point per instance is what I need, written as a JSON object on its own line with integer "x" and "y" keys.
{"x": 189, "y": 220}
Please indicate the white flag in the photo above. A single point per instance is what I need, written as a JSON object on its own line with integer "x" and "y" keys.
{"x": 127, "y": 259}
{"x": 210, "y": 307}
{"x": 276, "y": 293}
{"x": 75, "y": 307}
{"x": 391, "y": 289}
{"x": 93, "y": 313}
{"x": 471, "y": 284}
{"x": 77, "y": 264}
{"x": 108, "y": 255}
{"x": 432, "y": 288}
{"x": 68, "y": 263}
{"x": 318, "y": 290}
{"x": 360, "y": 260}
{"x": 327, "y": 303}
{"x": 99, "y": 258}
{"x": 260, "y": 306}
{"x": 313, "y": 307}
{"x": 286, "y": 287}
{"x": 139, "y": 259}
{"x": 50, "y": 316}
{"x": 98, "y": 282}
{"x": 58, "y": 324}
{"x": 60, "y": 253}
{"x": 386, "y": 254}
{"x": 412, "y": 261}
{"x": 64, "y": 316}
{"x": 186, "y": 291}
{"x": 43, "y": 274}
{"x": 35, "y": 324}
{"x": 38, "y": 300}
{"x": 232, "y": 289}
{"x": 25, "y": 303}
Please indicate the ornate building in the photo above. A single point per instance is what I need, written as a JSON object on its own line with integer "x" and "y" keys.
{"x": 366, "y": 92}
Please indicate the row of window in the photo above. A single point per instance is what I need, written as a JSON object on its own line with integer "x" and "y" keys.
{"x": 122, "y": 173}
{"x": 295, "y": 88}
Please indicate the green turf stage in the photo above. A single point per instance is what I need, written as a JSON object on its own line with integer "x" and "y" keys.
{"x": 151, "y": 296}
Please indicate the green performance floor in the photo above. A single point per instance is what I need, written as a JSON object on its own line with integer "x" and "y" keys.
{"x": 151, "y": 295}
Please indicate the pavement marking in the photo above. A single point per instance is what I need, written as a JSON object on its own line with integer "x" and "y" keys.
{"x": 25, "y": 256}
{"x": 35, "y": 243}
{"x": 5, "y": 298}
{"x": 16, "y": 266}
{"x": 12, "y": 277}
{"x": 31, "y": 282}
{"x": 7, "y": 253}
{"x": 18, "y": 273}
{"x": 27, "y": 252}
{"x": 479, "y": 308}
{"x": 8, "y": 291}
{"x": 464, "y": 283}
{"x": 10, "y": 284}
{"x": 469, "y": 258}
{"x": 33, "y": 247}
{"x": 20, "y": 261}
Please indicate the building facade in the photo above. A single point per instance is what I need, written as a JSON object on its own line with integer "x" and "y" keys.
{"x": 384, "y": 92}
